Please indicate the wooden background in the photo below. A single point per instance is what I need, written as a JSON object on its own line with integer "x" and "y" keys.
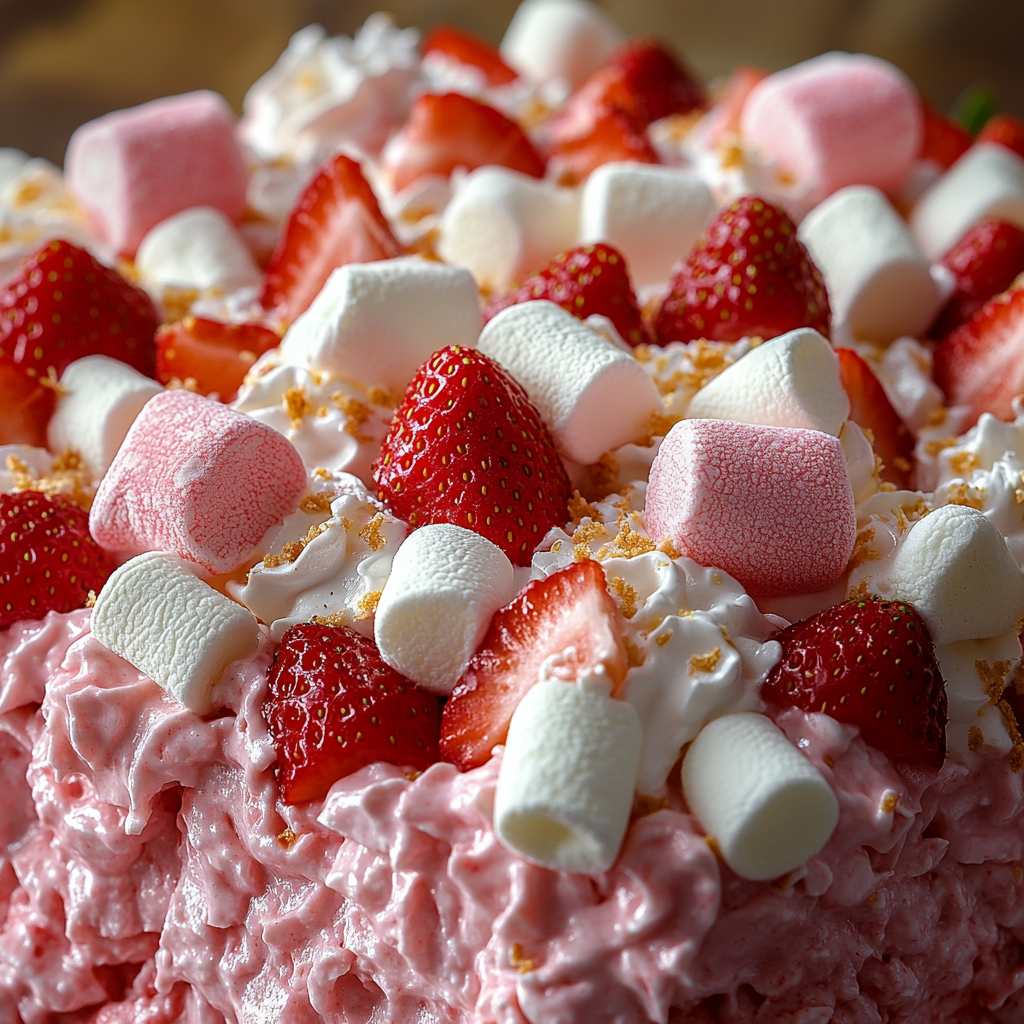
{"x": 65, "y": 61}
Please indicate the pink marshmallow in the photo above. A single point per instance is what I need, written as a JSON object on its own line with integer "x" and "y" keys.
{"x": 134, "y": 168}
{"x": 836, "y": 120}
{"x": 772, "y": 506}
{"x": 198, "y": 479}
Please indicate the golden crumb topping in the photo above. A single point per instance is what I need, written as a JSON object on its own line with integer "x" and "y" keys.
{"x": 313, "y": 504}
{"x": 706, "y": 662}
{"x": 297, "y": 405}
{"x": 367, "y": 604}
{"x": 68, "y": 476}
{"x": 626, "y": 595}
{"x": 580, "y": 509}
{"x": 371, "y": 532}
{"x": 293, "y": 548}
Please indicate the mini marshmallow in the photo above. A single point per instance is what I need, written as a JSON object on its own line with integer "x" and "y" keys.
{"x": 132, "y": 169}
{"x": 198, "y": 248}
{"x": 653, "y": 215}
{"x": 954, "y": 567}
{"x": 377, "y": 322}
{"x": 567, "y": 39}
{"x": 199, "y": 479}
{"x": 791, "y": 381}
{"x": 772, "y": 506}
{"x": 97, "y": 402}
{"x": 446, "y": 583}
{"x": 161, "y": 618}
{"x": 503, "y": 225}
{"x": 593, "y": 396}
{"x": 765, "y": 805}
{"x": 565, "y": 788}
{"x": 987, "y": 181}
{"x": 879, "y": 284}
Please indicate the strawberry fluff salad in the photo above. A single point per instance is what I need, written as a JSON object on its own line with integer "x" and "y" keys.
{"x": 514, "y": 536}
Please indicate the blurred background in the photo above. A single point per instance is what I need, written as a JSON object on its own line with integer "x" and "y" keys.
{"x": 63, "y": 62}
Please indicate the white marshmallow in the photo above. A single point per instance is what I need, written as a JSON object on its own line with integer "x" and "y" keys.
{"x": 765, "y": 805}
{"x": 168, "y": 623}
{"x": 446, "y": 583}
{"x": 593, "y": 396}
{"x": 954, "y": 567}
{"x": 377, "y": 322}
{"x": 790, "y": 381}
{"x": 503, "y": 225}
{"x": 98, "y": 401}
{"x": 567, "y": 39}
{"x": 565, "y": 788}
{"x": 653, "y": 215}
{"x": 987, "y": 181}
{"x": 878, "y": 281}
{"x": 197, "y": 248}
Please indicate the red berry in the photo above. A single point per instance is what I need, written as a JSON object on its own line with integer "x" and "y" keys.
{"x": 585, "y": 280}
{"x": 467, "y": 447}
{"x": 604, "y": 136}
{"x": 26, "y": 406}
{"x": 650, "y": 83}
{"x": 1005, "y": 130}
{"x": 748, "y": 275}
{"x": 942, "y": 139}
{"x": 335, "y": 707}
{"x": 48, "y": 559}
{"x": 868, "y": 664}
{"x": 446, "y": 42}
{"x": 571, "y": 611}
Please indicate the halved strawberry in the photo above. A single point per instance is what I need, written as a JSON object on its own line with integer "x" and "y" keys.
{"x": 466, "y": 446}
{"x": 586, "y": 280}
{"x": 748, "y": 275}
{"x": 870, "y": 664}
{"x": 649, "y": 82}
{"x": 216, "y": 355}
{"x": 336, "y": 220}
{"x": 26, "y": 406}
{"x": 571, "y": 614}
{"x": 1005, "y": 130}
{"x": 451, "y": 130}
{"x": 446, "y": 42}
{"x": 335, "y": 707}
{"x": 943, "y": 139}
{"x": 871, "y": 409}
{"x": 981, "y": 364}
{"x": 608, "y": 135}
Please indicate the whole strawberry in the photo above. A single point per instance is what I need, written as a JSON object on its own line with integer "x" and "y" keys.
{"x": 335, "y": 707}
{"x": 586, "y": 280}
{"x": 466, "y": 446}
{"x": 48, "y": 559}
{"x": 63, "y": 305}
{"x": 748, "y": 275}
{"x": 868, "y": 664}
{"x": 1004, "y": 130}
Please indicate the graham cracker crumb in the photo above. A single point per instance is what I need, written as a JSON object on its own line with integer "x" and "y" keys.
{"x": 961, "y": 493}
{"x": 706, "y": 662}
{"x": 297, "y": 405}
{"x": 312, "y": 504}
{"x": 646, "y": 805}
{"x": 937, "y": 416}
{"x": 581, "y": 538}
{"x": 68, "y": 476}
{"x": 859, "y": 592}
{"x": 993, "y": 678}
{"x": 520, "y": 961}
{"x": 934, "y": 447}
{"x": 580, "y": 509}
{"x": 293, "y": 548}
{"x": 556, "y": 545}
{"x": 371, "y": 532}
{"x": 635, "y": 655}
{"x": 412, "y": 774}
{"x": 627, "y": 542}
{"x": 323, "y": 472}
{"x": 287, "y": 837}
{"x": 890, "y": 802}
{"x": 383, "y": 397}
{"x": 1016, "y": 755}
{"x": 334, "y": 619}
{"x": 604, "y": 474}
{"x": 666, "y": 547}
{"x": 964, "y": 462}
{"x": 356, "y": 414}
{"x": 659, "y": 424}
{"x": 662, "y": 639}
{"x": 90, "y": 601}
{"x": 626, "y": 595}
{"x": 975, "y": 737}
{"x": 862, "y": 550}
{"x": 367, "y": 604}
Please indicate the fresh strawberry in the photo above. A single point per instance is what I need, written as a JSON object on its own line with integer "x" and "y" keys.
{"x": 336, "y": 220}
{"x": 335, "y": 707}
{"x": 48, "y": 559}
{"x": 585, "y": 280}
{"x": 871, "y": 409}
{"x": 1006, "y": 130}
{"x": 608, "y": 135}
{"x": 731, "y": 98}
{"x": 868, "y": 664}
{"x": 943, "y": 140}
{"x": 748, "y": 275}
{"x": 467, "y": 447}
{"x": 26, "y": 406}
{"x": 216, "y": 355}
{"x": 451, "y": 130}
{"x": 570, "y": 611}
{"x": 448, "y": 43}
{"x": 63, "y": 305}
{"x": 984, "y": 262}
{"x": 981, "y": 364}
{"x": 647, "y": 81}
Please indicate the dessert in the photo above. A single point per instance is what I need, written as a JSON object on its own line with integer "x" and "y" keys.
{"x": 601, "y": 599}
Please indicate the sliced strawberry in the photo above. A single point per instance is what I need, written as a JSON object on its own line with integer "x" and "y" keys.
{"x": 609, "y": 135}
{"x": 943, "y": 139}
{"x": 335, "y": 707}
{"x": 451, "y": 130}
{"x": 336, "y": 220}
{"x": 1005, "y": 130}
{"x": 446, "y": 42}
{"x": 733, "y": 95}
{"x": 586, "y": 280}
{"x": 216, "y": 355}
{"x": 748, "y": 275}
{"x": 981, "y": 364}
{"x": 467, "y": 447}
{"x": 871, "y": 409}
{"x": 650, "y": 83}
{"x": 868, "y": 664}
{"x": 570, "y": 613}
{"x": 26, "y": 406}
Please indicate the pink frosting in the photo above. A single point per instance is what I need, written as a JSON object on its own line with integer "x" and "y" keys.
{"x": 147, "y": 873}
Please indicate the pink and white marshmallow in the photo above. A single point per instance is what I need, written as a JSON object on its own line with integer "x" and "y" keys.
{"x": 593, "y": 396}
{"x": 836, "y": 120}
{"x": 772, "y": 506}
{"x": 132, "y": 169}
{"x": 198, "y": 479}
